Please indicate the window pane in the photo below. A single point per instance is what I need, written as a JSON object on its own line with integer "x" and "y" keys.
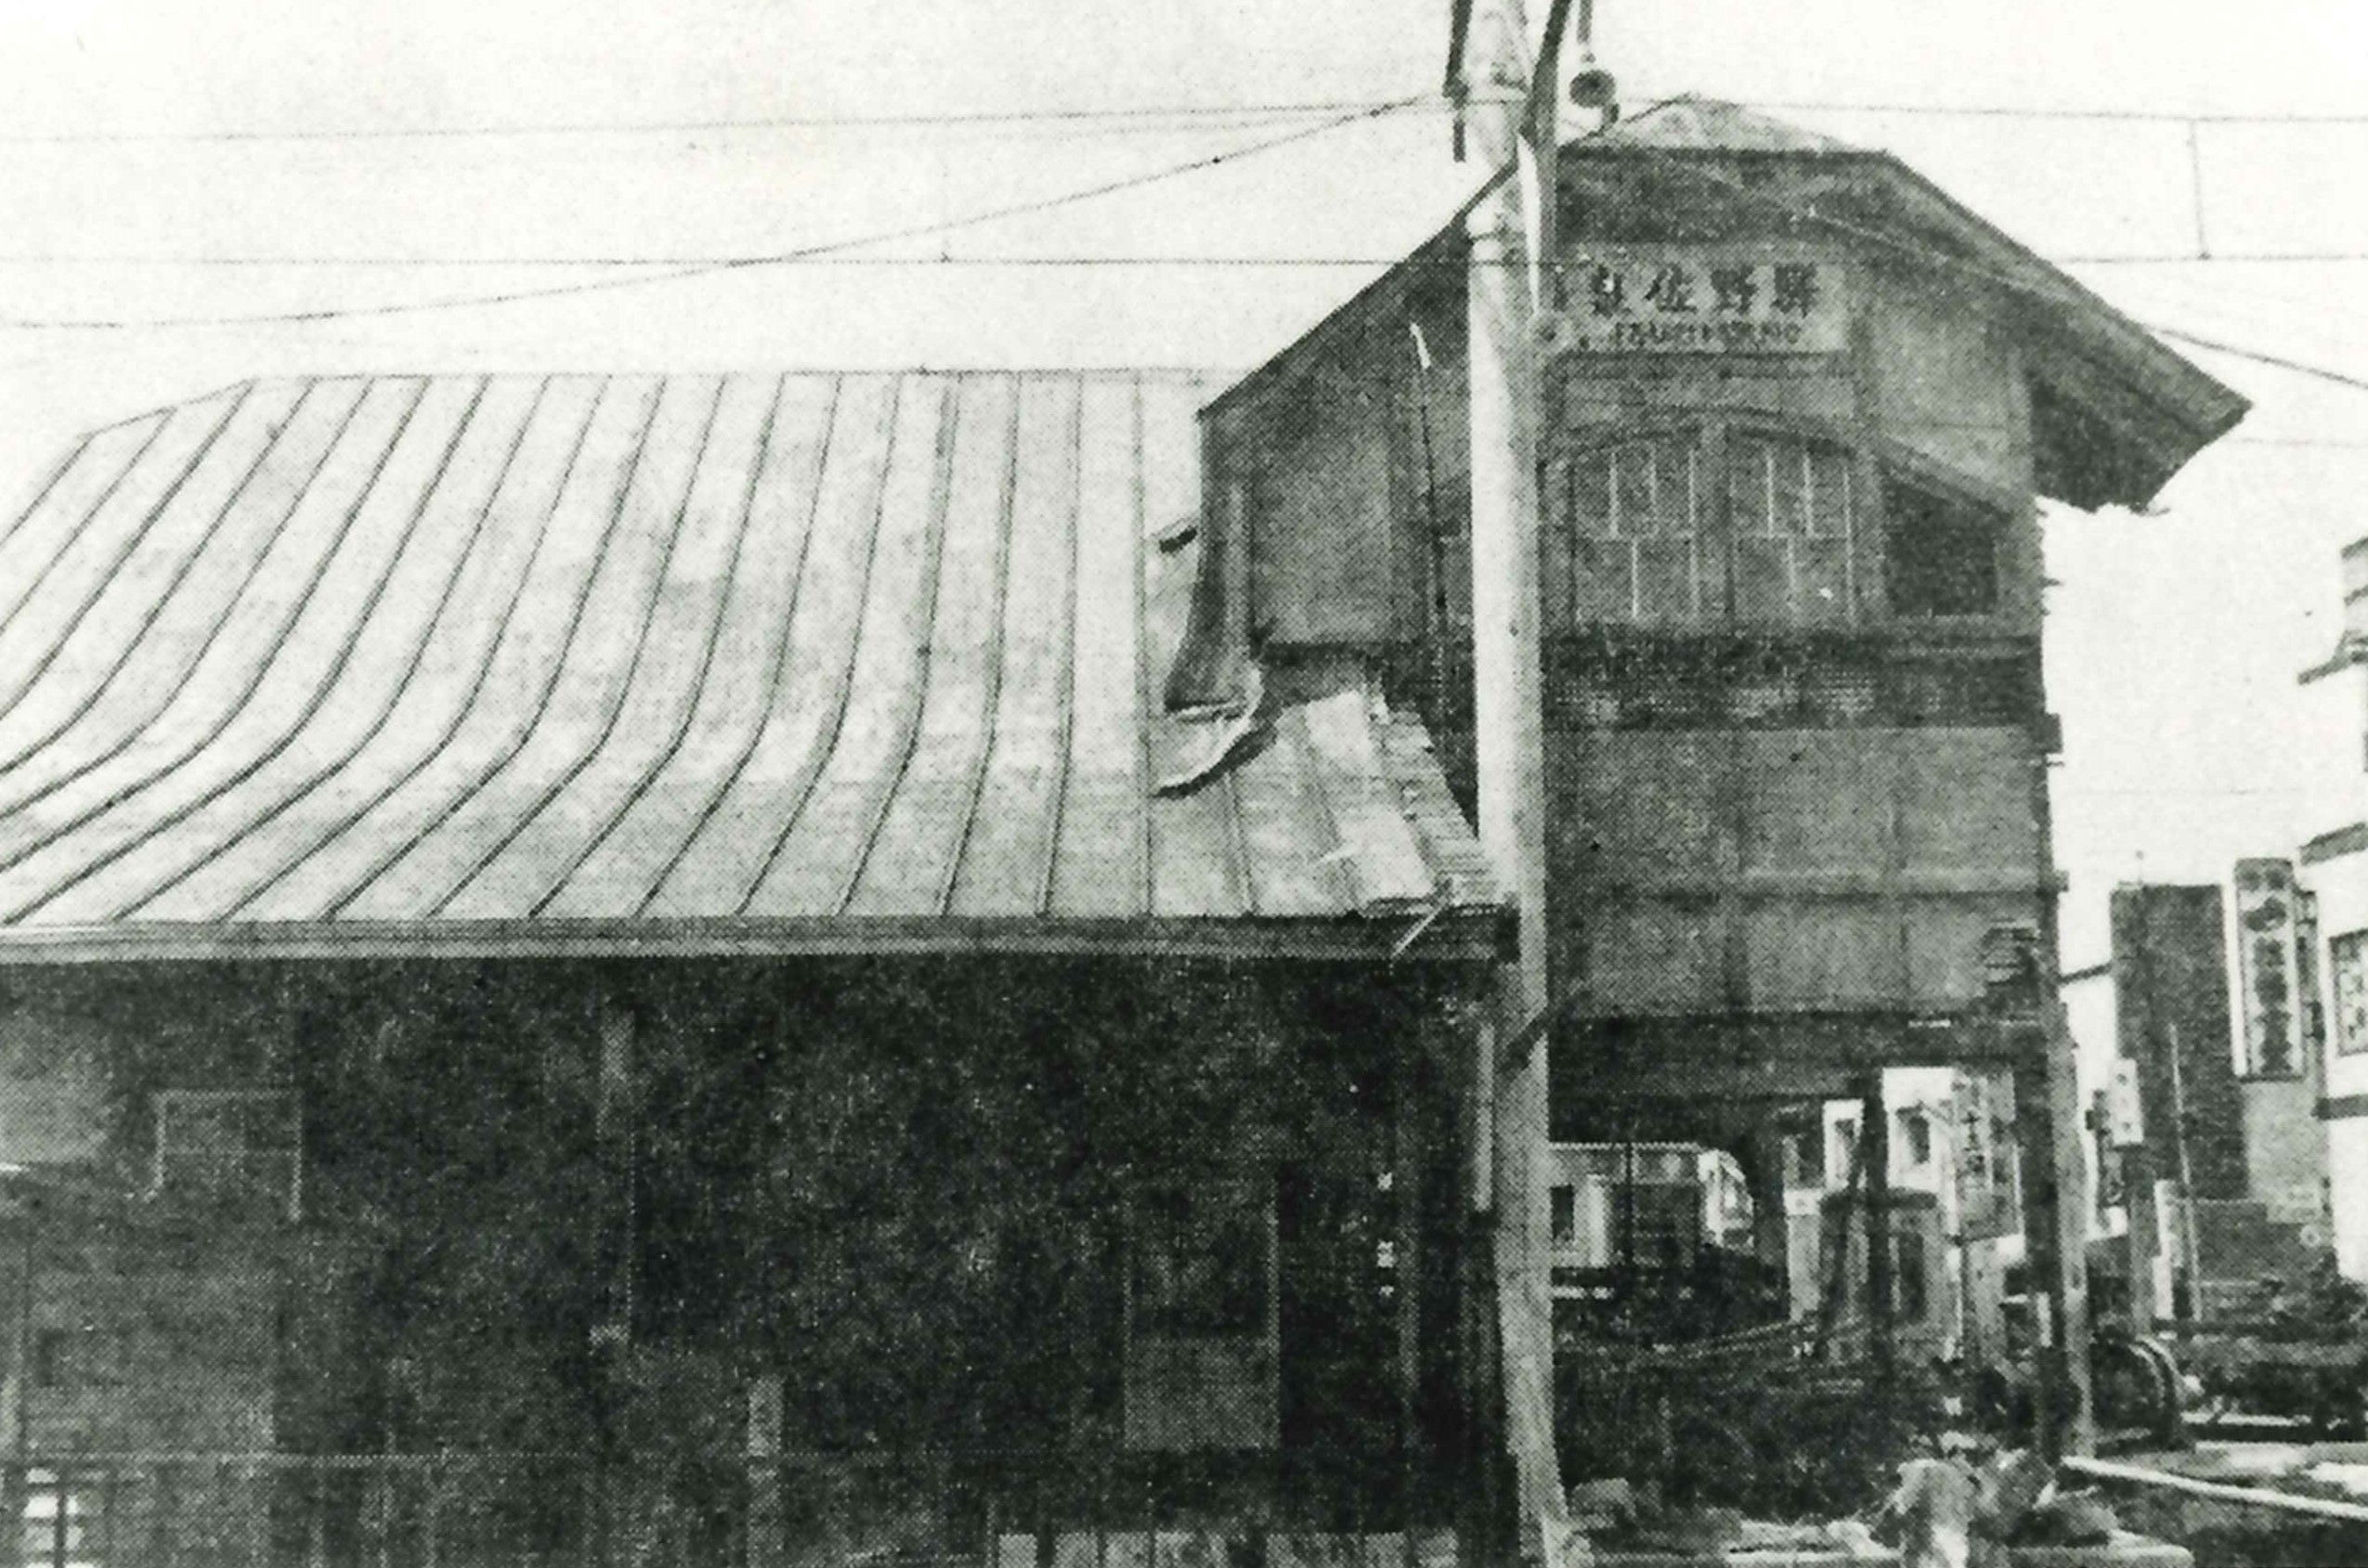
{"x": 1825, "y": 581}
{"x": 1590, "y": 494}
{"x": 1605, "y": 587}
{"x": 1940, "y": 554}
{"x": 1788, "y": 487}
{"x": 1633, "y": 490}
{"x": 1747, "y": 486}
{"x": 1830, "y": 484}
{"x": 1763, "y": 580}
{"x": 1665, "y": 581}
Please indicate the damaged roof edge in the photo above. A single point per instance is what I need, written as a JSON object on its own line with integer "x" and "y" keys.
{"x": 1450, "y": 934}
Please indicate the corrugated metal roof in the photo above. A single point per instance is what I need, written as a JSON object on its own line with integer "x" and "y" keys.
{"x": 699, "y": 661}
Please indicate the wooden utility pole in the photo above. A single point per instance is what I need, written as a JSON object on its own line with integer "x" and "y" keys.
{"x": 1874, "y": 1142}
{"x": 1510, "y": 99}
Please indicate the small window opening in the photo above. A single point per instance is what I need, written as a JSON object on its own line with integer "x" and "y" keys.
{"x": 1916, "y": 1133}
{"x": 1941, "y": 554}
{"x": 1564, "y": 1203}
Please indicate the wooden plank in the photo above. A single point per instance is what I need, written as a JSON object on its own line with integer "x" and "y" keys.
{"x": 821, "y": 853}
{"x": 743, "y": 827}
{"x": 665, "y": 679}
{"x": 41, "y": 535}
{"x": 1448, "y": 845}
{"x": 425, "y": 544}
{"x": 1007, "y": 862}
{"x": 619, "y": 876}
{"x": 497, "y": 700}
{"x": 916, "y": 844}
{"x": 81, "y": 631}
{"x": 1100, "y": 865}
{"x": 215, "y": 730}
{"x": 572, "y": 711}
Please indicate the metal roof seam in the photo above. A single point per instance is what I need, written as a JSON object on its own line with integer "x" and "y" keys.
{"x": 1237, "y": 840}
{"x": 917, "y": 701}
{"x": 974, "y": 788}
{"x": 1065, "y": 716}
{"x": 148, "y": 613}
{"x": 192, "y": 663}
{"x": 477, "y": 538}
{"x": 55, "y": 833}
{"x": 699, "y": 679}
{"x": 812, "y": 767}
{"x": 780, "y": 662}
{"x": 43, "y": 483}
{"x": 648, "y": 620}
{"x": 68, "y": 530}
{"x": 69, "y": 623}
{"x": 254, "y": 681}
{"x": 357, "y": 886}
{"x": 331, "y": 676}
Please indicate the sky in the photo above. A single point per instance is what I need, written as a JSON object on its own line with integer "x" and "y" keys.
{"x": 140, "y": 139}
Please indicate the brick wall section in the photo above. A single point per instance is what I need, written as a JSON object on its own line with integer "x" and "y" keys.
{"x": 2170, "y": 971}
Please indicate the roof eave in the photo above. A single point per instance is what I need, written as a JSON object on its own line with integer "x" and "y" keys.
{"x": 1462, "y": 933}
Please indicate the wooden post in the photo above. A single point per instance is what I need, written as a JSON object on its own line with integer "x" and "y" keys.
{"x": 14, "y": 1376}
{"x": 1874, "y": 1133}
{"x": 2143, "y": 1237}
{"x": 2055, "y": 1237}
{"x": 613, "y": 1122}
{"x": 1406, "y": 1184}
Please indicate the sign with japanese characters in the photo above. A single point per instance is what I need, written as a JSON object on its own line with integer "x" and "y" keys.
{"x": 1696, "y": 299}
{"x": 2350, "y": 952}
{"x": 2266, "y": 965}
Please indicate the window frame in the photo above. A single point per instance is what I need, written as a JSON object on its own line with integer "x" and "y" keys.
{"x": 1875, "y": 465}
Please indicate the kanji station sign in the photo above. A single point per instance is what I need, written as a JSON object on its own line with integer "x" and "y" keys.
{"x": 1696, "y": 299}
{"x": 2267, "y": 967}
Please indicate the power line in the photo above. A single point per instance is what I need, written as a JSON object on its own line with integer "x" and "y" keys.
{"x": 2237, "y": 350}
{"x": 1109, "y": 115}
{"x": 1125, "y": 114}
{"x": 2066, "y": 112}
{"x": 817, "y": 259}
{"x": 597, "y": 285}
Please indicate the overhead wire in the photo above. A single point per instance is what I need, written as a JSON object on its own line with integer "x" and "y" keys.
{"x": 664, "y": 269}
{"x": 642, "y": 278}
{"x": 542, "y": 260}
{"x": 1113, "y": 115}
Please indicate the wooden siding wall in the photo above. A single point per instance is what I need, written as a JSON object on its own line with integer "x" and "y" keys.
{"x": 1790, "y": 870}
